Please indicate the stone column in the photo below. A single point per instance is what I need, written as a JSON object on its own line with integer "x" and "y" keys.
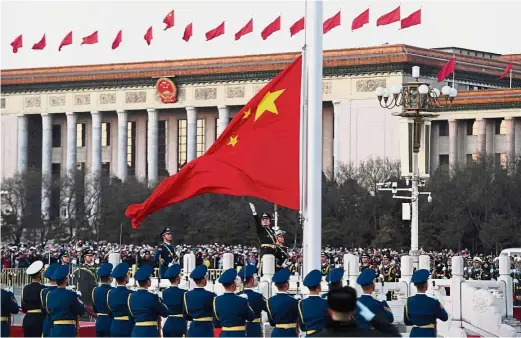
{"x": 435, "y": 151}
{"x": 490, "y": 133}
{"x": 510, "y": 139}
{"x": 72, "y": 120}
{"x": 23, "y": 140}
{"x": 191, "y": 133}
{"x": 46, "y": 164}
{"x": 122, "y": 144}
{"x": 152, "y": 146}
{"x": 96, "y": 143}
{"x": 224, "y": 118}
{"x": 453, "y": 143}
{"x": 336, "y": 136}
{"x": 481, "y": 146}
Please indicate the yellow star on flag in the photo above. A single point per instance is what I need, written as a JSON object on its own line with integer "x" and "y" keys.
{"x": 233, "y": 141}
{"x": 247, "y": 113}
{"x": 268, "y": 103}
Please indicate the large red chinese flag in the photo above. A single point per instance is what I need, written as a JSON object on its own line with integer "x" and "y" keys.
{"x": 248, "y": 28}
{"x": 169, "y": 20}
{"x": 90, "y": 39}
{"x": 149, "y": 35}
{"x": 17, "y": 43}
{"x": 267, "y": 127}
{"x": 297, "y": 26}
{"x": 446, "y": 70}
{"x": 67, "y": 40}
{"x": 360, "y": 20}
{"x": 412, "y": 20}
{"x": 331, "y": 23}
{"x": 188, "y": 32}
{"x": 117, "y": 40}
{"x": 507, "y": 70}
{"x": 271, "y": 28}
{"x": 40, "y": 45}
{"x": 389, "y": 18}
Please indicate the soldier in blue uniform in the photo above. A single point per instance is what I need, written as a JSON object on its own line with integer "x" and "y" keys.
{"x": 382, "y": 309}
{"x": 173, "y": 297}
{"x": 421, "y": 311}
{"x": 32, "y": 303}
{"x": 334, "y": 279}
{"x": 282, "y": 308}
{"x": 313, "y": 313}
{"x": 231, "y": 311}
{"x": 165, "y": 254}
{"x": 64, "y": 305}
{"x": 117, "y": 298}
{"x": 256, "y": 300}
{"x": 198, "y": 305}
{"x": 145, "y": 307}
{"x": 99, "y": 301}
{"x": 47, "y": 323}
{"x": 9, "y": 307}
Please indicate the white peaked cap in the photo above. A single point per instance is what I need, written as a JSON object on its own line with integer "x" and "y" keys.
{"x": 34, "y": 268}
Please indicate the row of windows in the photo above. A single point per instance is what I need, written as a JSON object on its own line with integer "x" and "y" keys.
{"x": 500, "y": 127}
{"x": 499, "y": 158}
{"x": 81, "y": 129}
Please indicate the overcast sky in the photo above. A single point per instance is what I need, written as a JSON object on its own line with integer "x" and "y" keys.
{"x": 482, "y": 25}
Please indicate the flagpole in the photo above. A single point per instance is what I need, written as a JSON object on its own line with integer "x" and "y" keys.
{"x": 303, "y": 144}
{"x": 454, "y": 72}
{"x": 313, "y": 223}
{"x": 510, "y": 77}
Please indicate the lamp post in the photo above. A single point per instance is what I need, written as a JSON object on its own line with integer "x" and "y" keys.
{"x": 415, "y": 98}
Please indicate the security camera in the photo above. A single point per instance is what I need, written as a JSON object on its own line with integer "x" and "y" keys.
{"x": 429, "y": 198}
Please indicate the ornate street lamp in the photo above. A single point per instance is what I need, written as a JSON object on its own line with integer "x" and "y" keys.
{"x": 416, "y": 99}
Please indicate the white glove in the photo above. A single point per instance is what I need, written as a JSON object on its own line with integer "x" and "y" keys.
{"x": 297, "y": 297}
{"x": 252, "y": 207}
{"x": 365, "y": 312}
{"x": 74, "y": 261}
{"x": 243, "y": 295}
{"x": 78, "y": 293}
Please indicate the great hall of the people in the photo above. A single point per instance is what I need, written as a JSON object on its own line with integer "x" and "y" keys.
{"x": 110, "y": 118}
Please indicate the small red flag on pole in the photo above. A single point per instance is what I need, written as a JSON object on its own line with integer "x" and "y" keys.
{"x": 117, "y": 40}
{"x": 17, "y": 43}
{"x": 446, "y": 70}
{"x": 360, "y": 20}
{"x": 169, "y": 20}
{"x": 331, "y": 23}
{"x": 248, "y": 28}
{"x": 188, "y": 32}
{"x": 271, "y": 28}
{"x": 217, "y": 31}
{"x": 90, "y": 39}
{"x": 412, "y": 20}
{"x": 148, "y": 36}
{"x": 67, "y": 40}
{"x": 297, "y": 27}
{"x": 389, "y": 18}
{"x": 40, "y": 44}
{"x": 507, "y": 70}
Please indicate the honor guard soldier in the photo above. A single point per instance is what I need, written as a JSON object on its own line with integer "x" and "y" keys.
{"x": 382, "y": 309}
{"x": 231, "y": 311}
{"x": 365, "y": 262}
{"x": 32, "y": 303}
{"x": 422, "y": 311}
{"x": 256, "y": 300}
{"x": 117, "y": 298}
{"x": 198, "y": 305}
{"x": 173, "y": 297}
{"x": 64, "y": 257}
{"x": 146, "y": 307}
{"x": 282, "y": 308}
{"x": 47, "y": 322}
{"x": 165, "y": 253}
{"x": 99, "y": 301}
{"x": 64, "y": 305}
{"x": 9, "y": 307}
{"x": 334, "y": 279}
{"x": 312, "y": 311}
{"x": 88, "y": 260}
{"x": 325, "y": 267}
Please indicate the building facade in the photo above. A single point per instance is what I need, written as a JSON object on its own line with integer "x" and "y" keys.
{"x": 109, "y": 119}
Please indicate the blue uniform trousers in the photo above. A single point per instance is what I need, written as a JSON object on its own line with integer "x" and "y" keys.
{"x": 103, "y": 326}
{"x": 233, "y": 334}
{"x": 421, "y": 332}
{"x": 253, "y": 330}
{"x": 121, "y": 328}
{"x": 284, "y": 332}
{"x": 61, "y": 330}
{"x": 144, "y": 331}
{"x": 174, "y": 327}
{"x": 5, "y": 329}
{"x": 47, "y": 325}
{"x": 200, "y": 329}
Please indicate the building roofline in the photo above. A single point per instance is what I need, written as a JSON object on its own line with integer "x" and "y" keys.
{"x": 364, "y": 56}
